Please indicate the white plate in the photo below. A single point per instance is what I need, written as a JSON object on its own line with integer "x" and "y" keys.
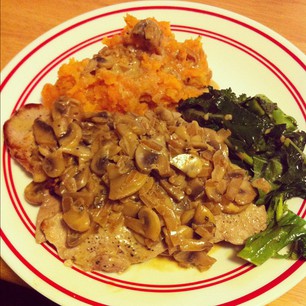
{"x": 243, "y": 55}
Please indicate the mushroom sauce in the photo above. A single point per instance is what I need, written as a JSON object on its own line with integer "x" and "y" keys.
{"x": 160, "y": 177}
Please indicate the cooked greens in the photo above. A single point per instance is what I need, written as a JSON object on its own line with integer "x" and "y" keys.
{"x": 266, "y": 142}
{"x": 284, "y": 228}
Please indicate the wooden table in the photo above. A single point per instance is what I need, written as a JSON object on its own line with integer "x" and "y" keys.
{"x": 23, "y": 21}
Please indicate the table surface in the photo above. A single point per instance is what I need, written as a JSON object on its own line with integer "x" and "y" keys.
{"x": 24, "y": 21}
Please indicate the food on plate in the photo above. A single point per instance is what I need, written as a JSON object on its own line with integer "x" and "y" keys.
{"x": 142, "y": 67}
{"x": 134, "y": 155}
{"x": 117, "y": 189}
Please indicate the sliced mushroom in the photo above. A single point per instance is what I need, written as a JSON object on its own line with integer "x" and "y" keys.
{"x": 44, "y": 134}
{"x": 89, "y": 132}
{"x": 151, "y": 223}
{"x": 246, "y": 194}
{"x": 205, "y": 231}
{"x": 229, "y": 207}
{"x": 82, "y": 177}
{"x": 101, "y": 213}
{"x": 195, "y": 188}
{"x": 152, "y": 155}
{"x": 102, "y": 157}
{"x": 212, "y": 191}
{"x": 135, "y": 225}
{"x": 198, "y": 259}
{"x": 113, "y": 172}
{"x": 68, "y": 184}
{"x": 75, "y": 214}
{"x": 75, "y": 178}
{"x": 130, "y": 123}
{"x": 195, "y": 245}
{"x": 169, "y": 216}
{"x": 232, "y": 208}
{"x": 145, "y": 158}
{"x": 69, "y": 108}
{"x": 182, "y": 133}
{"x": 173, "y": 191}
{"x": 60, "y": 126}
{"x": 126, "y": 184}
{"x": 185, "y": 232}
{"x": 74, "y": 238}
{"x": 54, "y": 164}
{"x": 155, "y": 196}
{"x": 124, "y": 164}
{"x": 130, "y": 207}
{"x": 176, "y": 145}
{"x": 110, "y": 149}
{"x": 80, "y": 198}
{"x": 190, "y": 164}
{"x": 72, "y": 136}
{"x": 129, "y": 140}
{"x": 218, "y": 173}
{"x": 99, "y": 163}
{"x": 203, "y": 215}
{"x": 35, "y": 193}
{"x": 187, "y": 216}
{"x": 233, "y": 188}
{"x": 45, "y": 150}
{"x": 76, "y": 219}
{"x": 82, "y": 152}
{"x": 39, "y": 175}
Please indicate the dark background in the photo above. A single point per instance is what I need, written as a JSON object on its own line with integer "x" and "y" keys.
{"x": 16, "y": 295}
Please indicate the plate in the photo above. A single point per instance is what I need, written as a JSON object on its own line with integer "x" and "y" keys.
{"x": 243, "y": 55}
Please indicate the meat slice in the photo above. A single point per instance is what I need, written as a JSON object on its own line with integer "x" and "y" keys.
{"x": 105, "y": 250}
{"x": 49, "y": 208}
{"x": 18, "y": 134}
{"x": 236, "y": 228}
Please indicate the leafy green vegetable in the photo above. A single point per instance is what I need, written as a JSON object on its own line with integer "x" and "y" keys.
{"x": 300, "y": 247}
{"x": 267, "y": 244}
{"x": 265, "y": 141}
